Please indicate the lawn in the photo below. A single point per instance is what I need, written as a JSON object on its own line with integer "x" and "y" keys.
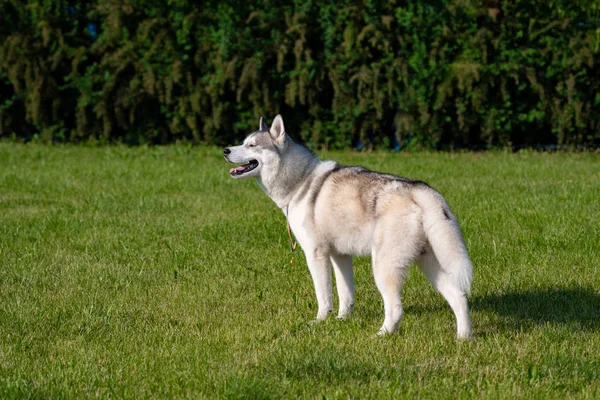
{"x": 148, "y": 272}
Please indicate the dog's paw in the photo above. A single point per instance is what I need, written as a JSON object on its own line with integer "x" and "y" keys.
{"x": 342, "y": 316}
{"x": 322, "y": 315}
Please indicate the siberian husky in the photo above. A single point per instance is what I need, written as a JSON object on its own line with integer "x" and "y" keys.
{"x": 336, "y": 212}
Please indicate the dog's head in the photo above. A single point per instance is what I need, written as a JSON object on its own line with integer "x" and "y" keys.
{"x": 260, "y": 149}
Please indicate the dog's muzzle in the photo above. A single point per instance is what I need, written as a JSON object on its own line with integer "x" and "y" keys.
{"x": 242, "y": 169}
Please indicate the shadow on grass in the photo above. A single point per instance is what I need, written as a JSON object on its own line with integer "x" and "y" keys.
{"x": 578, "y": 307}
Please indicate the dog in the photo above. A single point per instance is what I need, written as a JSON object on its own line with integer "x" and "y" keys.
{"x": 337, "y": 211}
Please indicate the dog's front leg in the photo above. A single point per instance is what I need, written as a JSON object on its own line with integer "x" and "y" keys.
{"x": 342, "y": 266}
{"x": 320, "y": 270}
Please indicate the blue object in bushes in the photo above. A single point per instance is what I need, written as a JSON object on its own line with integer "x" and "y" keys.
{"x": 93, "y": 30}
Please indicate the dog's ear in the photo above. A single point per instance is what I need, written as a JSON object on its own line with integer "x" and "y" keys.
{"x": 262, "y": 127}
{"x": 277, "y": 130}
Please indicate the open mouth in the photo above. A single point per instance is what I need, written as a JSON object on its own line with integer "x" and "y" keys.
{"x": 243, "y": 169}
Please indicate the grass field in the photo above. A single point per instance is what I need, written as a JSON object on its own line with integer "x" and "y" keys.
{"x": 148, "y": 272}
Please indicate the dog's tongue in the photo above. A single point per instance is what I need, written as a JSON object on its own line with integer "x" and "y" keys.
{"x": 237, "y": 169}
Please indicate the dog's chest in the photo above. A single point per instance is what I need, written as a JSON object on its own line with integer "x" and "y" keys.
{"x": 302, "y": 228}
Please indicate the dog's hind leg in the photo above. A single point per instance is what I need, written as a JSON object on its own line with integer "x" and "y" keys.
{"x": 344, "y": 281}
{"x": 320, "y": 270}
{"x": 394, "y": 249}
{"x": 451, "y": 291}
{"x": 390, "y": 271}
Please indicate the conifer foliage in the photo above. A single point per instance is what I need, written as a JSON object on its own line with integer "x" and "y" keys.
{"x": 438, "y": 72}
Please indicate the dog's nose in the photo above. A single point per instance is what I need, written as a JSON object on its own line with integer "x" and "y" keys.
{"x": 226, "y": 151}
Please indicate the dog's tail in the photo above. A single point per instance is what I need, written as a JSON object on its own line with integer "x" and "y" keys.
{"x": 445, "y": 238}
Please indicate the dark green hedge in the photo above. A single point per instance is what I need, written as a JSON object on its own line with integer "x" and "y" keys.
{"x": 444, "y": 73}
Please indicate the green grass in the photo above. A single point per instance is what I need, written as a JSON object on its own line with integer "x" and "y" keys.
{"x": 148, "y": 272}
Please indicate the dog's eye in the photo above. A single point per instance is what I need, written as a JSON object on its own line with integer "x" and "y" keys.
{"x": 251, "y": 145}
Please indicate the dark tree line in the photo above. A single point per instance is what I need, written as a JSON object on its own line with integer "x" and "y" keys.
{"x": 444, "y": 73}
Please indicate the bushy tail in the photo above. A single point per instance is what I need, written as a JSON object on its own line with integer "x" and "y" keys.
{"x": 444, "y": 235}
